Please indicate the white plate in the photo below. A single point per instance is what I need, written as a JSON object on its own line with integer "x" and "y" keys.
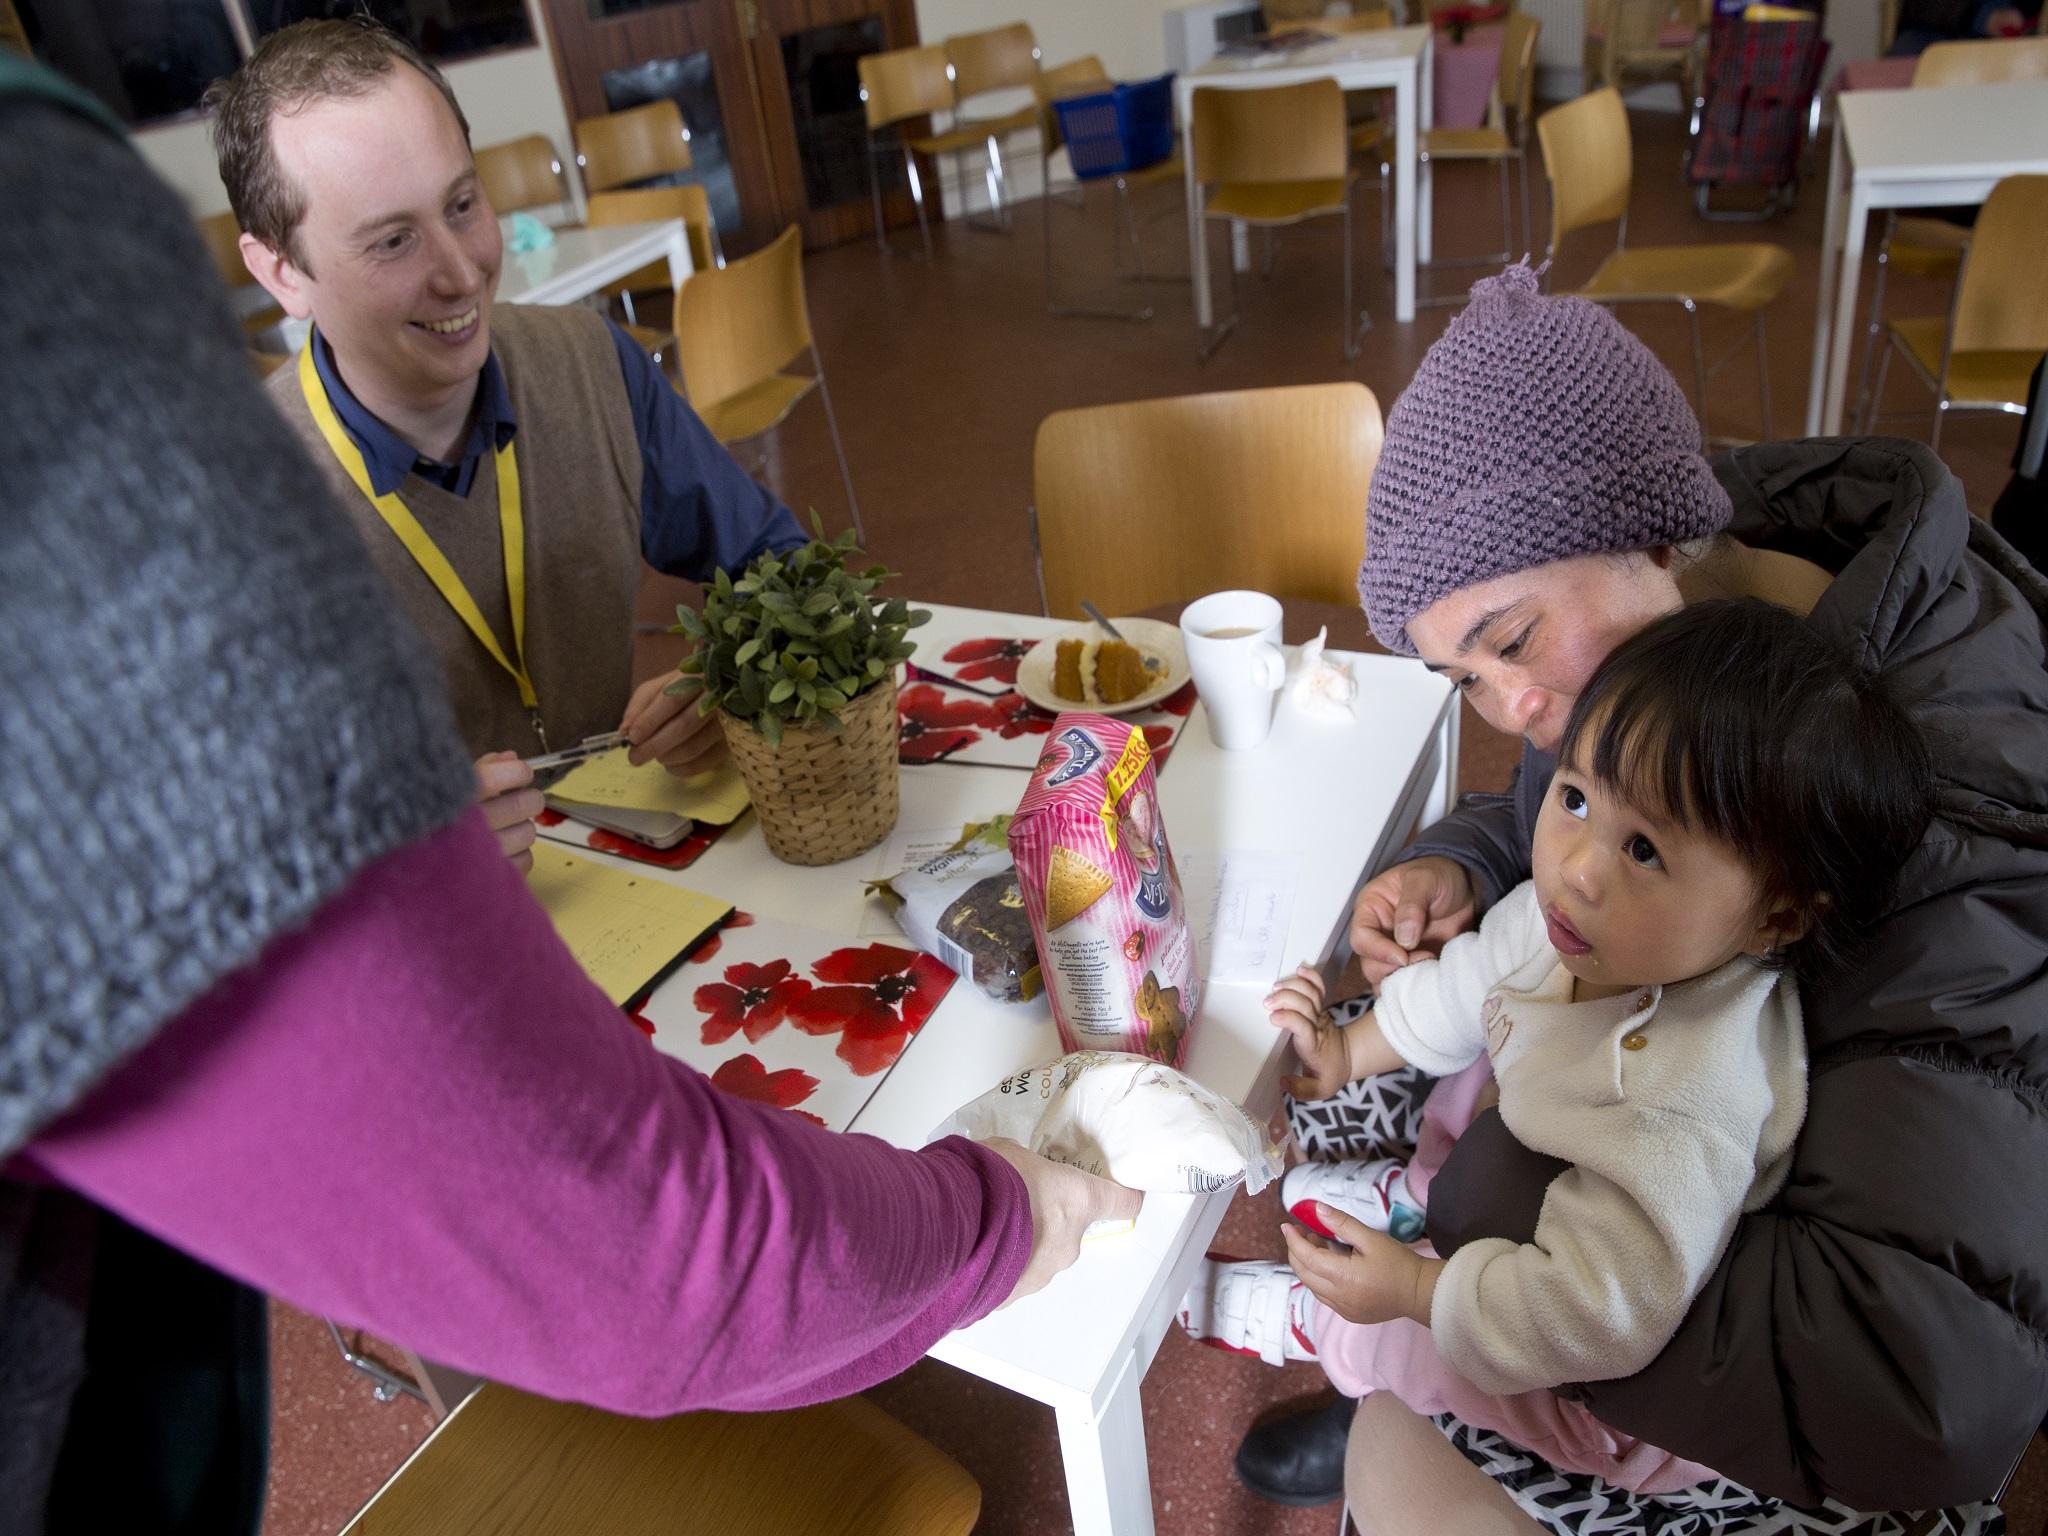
{"x": 1034, "y": 673}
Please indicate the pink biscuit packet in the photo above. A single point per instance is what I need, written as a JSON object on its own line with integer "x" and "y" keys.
{"x": 1104, "y": 898}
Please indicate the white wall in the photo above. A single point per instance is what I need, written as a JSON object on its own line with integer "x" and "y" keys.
{"x": 504, "y": 96}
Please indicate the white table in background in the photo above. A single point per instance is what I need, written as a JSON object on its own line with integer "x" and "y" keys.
{"x": 1343, "y": 797}
{"x": 1396, "y": 59}
{"x": 581, "y": 261}
{"x": 1924, "y": 148}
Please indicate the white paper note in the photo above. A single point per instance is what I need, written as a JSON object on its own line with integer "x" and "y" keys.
{"x": 904, "y": 848}
{"x": 1241, "y": 902}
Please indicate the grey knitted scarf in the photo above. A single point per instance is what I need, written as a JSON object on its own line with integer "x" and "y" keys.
{"x": 210, "y": 715}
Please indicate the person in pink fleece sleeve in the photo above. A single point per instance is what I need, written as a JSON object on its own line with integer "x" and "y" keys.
{"x": 276, "y": 1015}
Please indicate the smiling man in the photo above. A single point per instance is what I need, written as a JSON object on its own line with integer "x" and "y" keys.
{"x": 510, "y": 466}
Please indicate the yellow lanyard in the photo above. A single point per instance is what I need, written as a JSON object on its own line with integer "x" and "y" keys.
{"x": 421, "y": 545}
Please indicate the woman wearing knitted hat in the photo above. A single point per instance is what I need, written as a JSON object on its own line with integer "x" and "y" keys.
{"x": 1873, "y": 1336}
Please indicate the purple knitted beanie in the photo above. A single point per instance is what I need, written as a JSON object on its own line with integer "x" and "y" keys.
{"x": 1536, "y": 429}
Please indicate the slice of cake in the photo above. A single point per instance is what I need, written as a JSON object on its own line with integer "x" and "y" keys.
{"x": 1066, "y": 671}
{"x": 1120, "y": 673}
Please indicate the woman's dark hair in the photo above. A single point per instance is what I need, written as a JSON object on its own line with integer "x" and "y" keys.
{"x": 1739, "y": 720}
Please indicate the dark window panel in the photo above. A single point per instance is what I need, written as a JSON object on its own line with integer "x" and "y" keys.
{"x": 147, "y": 59}
{"x": 441, "y": 29}
{"x": 687, "y": 81}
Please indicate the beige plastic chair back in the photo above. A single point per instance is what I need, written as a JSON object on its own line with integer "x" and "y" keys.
{"x": 1003, "y": 59}
{"x": 904, "y": 82}
{"x": 223, "y": 237}
{"x": 1276, "y": 133}
{"x": 739, "y": 324}
{"x": 624, "y": 147}
{"x": 519, "y": 1465}
{"x": 1636, "y": 27}
{"x": 1084, "y": 76}
{"x": 1982, "y": 63}
{"x": 1589, "y": 160}
{"x": 522, "y": 173}
{"x": 1517, "y": 83}
{"x": 648, "y": 205}
{"x": 1161, "y": 501}
{"x": 2002, "y": 299}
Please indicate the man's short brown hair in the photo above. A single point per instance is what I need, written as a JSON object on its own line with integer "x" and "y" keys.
{"x": 290, "y": 70}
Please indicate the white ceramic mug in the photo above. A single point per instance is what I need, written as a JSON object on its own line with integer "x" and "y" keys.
{"x": 1233, "y": 646}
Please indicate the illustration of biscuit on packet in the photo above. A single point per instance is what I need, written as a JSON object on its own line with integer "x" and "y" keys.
{"x": 1103, "y": 895}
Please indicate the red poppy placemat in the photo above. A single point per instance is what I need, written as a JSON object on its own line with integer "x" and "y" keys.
{"x": 791, "y": 1016}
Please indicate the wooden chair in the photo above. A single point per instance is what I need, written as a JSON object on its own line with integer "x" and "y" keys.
{"x": 1982, "y": 356}
{"x": 1268, "y": 157}
{"x": 1637, "y": 41}
{"x": 1085, "y": 76}
{"x": 738, "y": 327}
{"x": 1001, "y": 59}
{"x": 223, "y": 237}
{"x": 621, "y": 148}
{"x": 1161, "y": 501}
{"x": 518, "y": 1465}
{"x": 1933, "y": 248}
{"x": 1588, "y": 158}
{"x": 1505, "y": 140}
{"x": 1983, "y": 61}
{"x": 907, "y": 83}
{"x": 524, "y": 173}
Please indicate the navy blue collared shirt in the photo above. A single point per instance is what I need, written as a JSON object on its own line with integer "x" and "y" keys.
{"x": 699, "y": 512}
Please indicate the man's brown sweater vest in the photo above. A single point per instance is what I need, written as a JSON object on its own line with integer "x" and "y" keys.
{"x": 579, "y": 481}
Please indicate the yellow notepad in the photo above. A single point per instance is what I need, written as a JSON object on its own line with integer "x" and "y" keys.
{"x": 715, "y": 798}
{"x": 625, "y": 929}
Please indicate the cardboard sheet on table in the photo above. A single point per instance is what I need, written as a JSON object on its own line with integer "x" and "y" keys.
{"x": 624, "y": 928}
{"x": 715, "y": 798}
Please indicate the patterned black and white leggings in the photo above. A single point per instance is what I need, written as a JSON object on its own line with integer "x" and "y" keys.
{"x": 1379, "y": 1117}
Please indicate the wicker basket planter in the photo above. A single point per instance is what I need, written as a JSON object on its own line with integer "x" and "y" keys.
{"x": 823, "y": 797}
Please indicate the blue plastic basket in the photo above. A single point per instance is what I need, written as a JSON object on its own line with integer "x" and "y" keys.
{"x": 1122, "y": 129}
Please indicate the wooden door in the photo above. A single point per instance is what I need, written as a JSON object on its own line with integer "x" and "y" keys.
{"x": 805, "y": 55}
{"x": 615, "y": 54}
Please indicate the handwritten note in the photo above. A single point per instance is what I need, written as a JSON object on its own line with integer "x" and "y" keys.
{"x": 715, "y": 798}
{"x": 1240, "y": 903}
{"x": 625, "y": 929}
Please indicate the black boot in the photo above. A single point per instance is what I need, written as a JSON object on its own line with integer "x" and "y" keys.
{"x": 1299, "y": 1459}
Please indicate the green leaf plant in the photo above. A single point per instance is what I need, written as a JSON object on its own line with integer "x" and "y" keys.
{"x": 796, "y": 637}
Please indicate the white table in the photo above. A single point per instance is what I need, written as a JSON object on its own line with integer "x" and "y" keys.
{"x": 581, "y": 261}
{"x": 1397, "y": 58}
{"x": 1923, "y": 148}
{"x": 1343, "y": 796}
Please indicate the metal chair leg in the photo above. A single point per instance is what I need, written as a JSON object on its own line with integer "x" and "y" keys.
{"x": 924, "y": 227}
{"x": 1699, "y": 367}
{"x": 1507, "y": 217}
{"x": 1528, "y": 229}
{"x": 1873, "y": 333}
{"x": 1763, "y": 372}
{"x": 1206, "y": 345}
{"x": 1074, "y": 311}
{"x": 875, "y": 186}
{"x": 999, "y": 185}
{"x": 838, "y": 447}
{"x": 1350, "y": 342}
{"x": 1884, "y": 368}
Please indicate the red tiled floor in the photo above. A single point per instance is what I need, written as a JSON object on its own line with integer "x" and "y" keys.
{"x": 940, "y": 374}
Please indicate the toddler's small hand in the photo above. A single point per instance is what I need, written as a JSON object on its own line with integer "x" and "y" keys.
{"x": 1376, "y": 1280}
{"x": 1296, "y": 1005}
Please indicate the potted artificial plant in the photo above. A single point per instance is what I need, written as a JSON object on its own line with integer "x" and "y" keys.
{"x": 799, "y": 658}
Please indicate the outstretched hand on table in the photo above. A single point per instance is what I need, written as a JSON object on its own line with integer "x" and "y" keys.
{"x": 1064, "y": 1201}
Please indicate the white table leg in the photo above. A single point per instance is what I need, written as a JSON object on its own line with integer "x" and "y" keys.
{"x": 1240, "y": 245}
{"x": 1425, "y": 200}
{"x": 1406, "y": 215}
{"x": 1845, "y": 308}
{"x": 1830, "y": 250}
{"x": 1198, "y": 248}
{"x": 1109, "y": 1488}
